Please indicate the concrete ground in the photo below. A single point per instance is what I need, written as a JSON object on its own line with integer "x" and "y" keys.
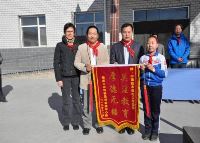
{"x": 33, "y": 113}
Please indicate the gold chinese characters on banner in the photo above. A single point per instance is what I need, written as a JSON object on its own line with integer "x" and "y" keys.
{"x": 116, "y": 90}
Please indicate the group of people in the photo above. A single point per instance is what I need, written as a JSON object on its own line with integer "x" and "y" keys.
{"x": 73, "y": 63}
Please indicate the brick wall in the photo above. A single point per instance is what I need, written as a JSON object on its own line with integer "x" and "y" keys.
{"x": 127, "y": 7}
{"x": 57, "y": 13}
{"x": 126, "y": 15}
{"x": 26, "y": 59}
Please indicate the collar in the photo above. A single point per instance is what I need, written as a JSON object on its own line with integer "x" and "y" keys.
{"x": 155, "y": 54}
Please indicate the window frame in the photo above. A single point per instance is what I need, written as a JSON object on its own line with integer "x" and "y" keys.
{"x": 92, "y": 22}
{"x": 38, "y": 29}
{"x": 188, "y": 12}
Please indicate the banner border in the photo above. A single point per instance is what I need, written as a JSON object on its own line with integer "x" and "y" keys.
{"x": 109, "y": 121}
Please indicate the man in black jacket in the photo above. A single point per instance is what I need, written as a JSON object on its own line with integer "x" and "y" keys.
{"x": 126, "y": 51}
{"x": 2, "y": 97}
{"x": 67, "y": 76}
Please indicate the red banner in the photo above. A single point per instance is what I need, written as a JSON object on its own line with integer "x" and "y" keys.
{"x": 116, "y": 91}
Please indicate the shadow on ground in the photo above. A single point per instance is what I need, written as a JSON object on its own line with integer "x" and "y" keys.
{"x": 7, "y": 89}
{"x": 164, "y": 137}
{"x": 55, "y": 103}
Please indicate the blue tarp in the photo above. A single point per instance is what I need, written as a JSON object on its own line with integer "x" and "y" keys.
{"x": 182, "y": 84}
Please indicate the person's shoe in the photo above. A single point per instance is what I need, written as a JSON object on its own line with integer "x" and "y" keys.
{"x": 122, "y": 131}
{"x": 130, "y": 131}
{"x": 75, "y": 127}
{"x": 99, "y": 130}
{"x": 66, "y": 127}
{"x": 154, "y": 137}
{"x": 86, "y": 131}
{"x": 3, "y": 99}
{"x": 146, "y": 136}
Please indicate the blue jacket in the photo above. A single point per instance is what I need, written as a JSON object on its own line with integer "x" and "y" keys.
{"x": 178, "y": 50}
{"x": 159, "y": 63}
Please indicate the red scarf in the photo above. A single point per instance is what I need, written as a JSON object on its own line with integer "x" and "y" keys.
{"x": 94, "y": 47}
{"x": 128, "y": 46}
{"x": 71, "y": 41}
{"x": 150, "y": 59}
{"x": 70, "y": 46}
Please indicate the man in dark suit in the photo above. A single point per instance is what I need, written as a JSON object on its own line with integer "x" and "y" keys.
{"x": 67, "y": 77}
{"x": 2, "y": 97}
{"x": 126, "y": 51}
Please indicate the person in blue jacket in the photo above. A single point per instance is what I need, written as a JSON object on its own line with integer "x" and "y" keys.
{"x": 178, "y": 48}
{"x": 153, "y": 71}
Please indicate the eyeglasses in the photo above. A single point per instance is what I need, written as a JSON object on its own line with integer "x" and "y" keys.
{"x": 69, "y": 31}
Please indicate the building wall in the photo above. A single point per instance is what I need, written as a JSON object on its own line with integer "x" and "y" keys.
{"x": 26, "y": 59}
{"x": 126, "y": 12}
{"x": 57, "y": 13}
{"x": 108, "y": 21}
{"x": 126, "y": 15}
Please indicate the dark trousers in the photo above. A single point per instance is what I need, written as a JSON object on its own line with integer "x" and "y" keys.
{"x": 154, "y": 94}
{"x": 70, "y": 94}
{"x": 178, "y": 65}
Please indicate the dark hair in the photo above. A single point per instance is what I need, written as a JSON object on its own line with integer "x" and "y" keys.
{"x": 67, "y": 25}
{"x": 178, "y": 25}
{"x": 92, "y": 26}
{"x": 126, "y": 25}
{"x": 151, "y": 36}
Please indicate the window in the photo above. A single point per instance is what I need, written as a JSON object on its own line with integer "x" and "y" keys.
{"x": 174, "y": 13}
{"x": 33, "y": 29}
{"x": 140, "y": 15}
{"x": 85, "y": 19}
{"x": 153, "y": 15}
{"x": 161, "y": 14}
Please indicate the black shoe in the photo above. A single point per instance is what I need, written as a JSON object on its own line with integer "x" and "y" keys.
{"x": 86, "y": 131}
{"x": 146, "y": 136}
{"x": 99, "y": 130}
{"x": 3, "y": 99}
{"x": 122, "y": 131}
{"x": 75, "y": 127}
{"x": 154, "y": 137}
{"x": 66, "y": 127}
{"x": 130, "y": 131}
